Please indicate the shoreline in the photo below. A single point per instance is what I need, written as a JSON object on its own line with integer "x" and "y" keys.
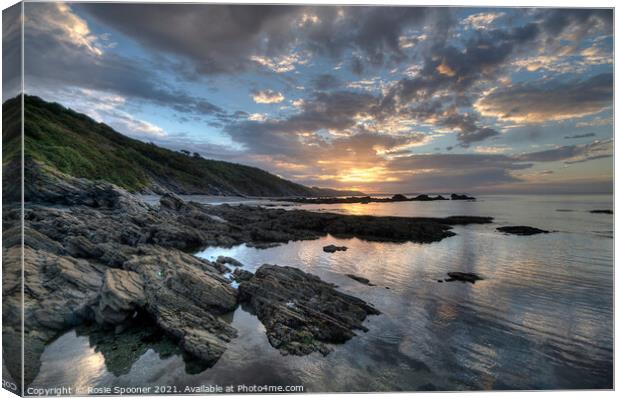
{"x": 95, "y": 253}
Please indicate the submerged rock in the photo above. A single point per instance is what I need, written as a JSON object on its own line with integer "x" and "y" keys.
{"x": 360, "y": 279}
{"x": 463, "y": 277}
{"x": 602, "y": 211}
{"x": 301, "y": 313}
{"x": 522, "y": 230}
{"x": 334, "y": 248}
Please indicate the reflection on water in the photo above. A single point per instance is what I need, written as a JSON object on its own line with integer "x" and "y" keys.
{"x": 540, "y": 319}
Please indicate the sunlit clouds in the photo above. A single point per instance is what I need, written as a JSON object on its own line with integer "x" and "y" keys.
{"x": 382, "y": 99}
{"x": 267, "y": 97}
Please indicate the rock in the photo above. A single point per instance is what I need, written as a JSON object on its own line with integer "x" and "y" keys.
{"x": 399, "y": 197}
{"x": 184, "y": 294}
{"x": 423, "y": 197}
{"x": 602, "y": 211}
{"x": 360, "y": 279}
{"x": 456, "y": 196}
{"x": 241, "y": 275}
{"x": 79, "y": 246}
{"x": 122, "y": 295}
{"x": 522, "y": 230}
{"x": 301, "y": 313}
{"x": 334, "y": 248}
{"x": 228, "y": 260}
{"x": 463, "y": 277}
{"x": 171, "y": 201}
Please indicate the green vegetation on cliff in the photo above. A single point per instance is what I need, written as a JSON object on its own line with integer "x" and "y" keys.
{"x": 77, "y": 145}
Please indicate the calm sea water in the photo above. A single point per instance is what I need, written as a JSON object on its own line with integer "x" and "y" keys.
{"x": 542, "y": 318}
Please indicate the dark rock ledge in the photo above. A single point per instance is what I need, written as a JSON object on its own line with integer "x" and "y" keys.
{"x": 302, "y": 314}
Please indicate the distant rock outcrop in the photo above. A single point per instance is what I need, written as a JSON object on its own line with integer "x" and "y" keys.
{"x": 456, "y": 196}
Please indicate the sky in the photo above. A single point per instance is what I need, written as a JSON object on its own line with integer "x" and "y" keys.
{"x": 378, "y": 99}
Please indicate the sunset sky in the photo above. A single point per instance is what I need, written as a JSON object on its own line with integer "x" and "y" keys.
{"x": 371, "y": 98}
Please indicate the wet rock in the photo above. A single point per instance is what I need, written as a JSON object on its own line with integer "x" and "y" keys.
{"x": 602, "y": 211}
{"x": 241, "y": 275}
{"x": 399, "y": 197}
{"x": 334, "y": 248}
{"x": 522, "y": 230}
{"x": 301, "y": 313}
{"x": 122, "y": 295}
{"x": 228, "y": 260}
{"x": 360, "y": 279}
{"x": 463, "y": 277}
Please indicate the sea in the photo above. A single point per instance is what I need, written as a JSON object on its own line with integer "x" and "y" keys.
{"x": 541, "y": 318}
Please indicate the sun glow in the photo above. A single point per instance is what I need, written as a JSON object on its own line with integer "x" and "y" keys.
{"x": 364, "y": 175}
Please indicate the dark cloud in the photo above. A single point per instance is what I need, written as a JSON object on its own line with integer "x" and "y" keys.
{"x": 234, "y": 33}
{"x": 578, "y": 22}
{"x": 11, "y": 51}
{"x": 58, "y": 58}
{"x": 587, "y": 135}
{"x": 216, "y": 38}
{"x": 570, "y": 153}
{"x": 549, "y": 100}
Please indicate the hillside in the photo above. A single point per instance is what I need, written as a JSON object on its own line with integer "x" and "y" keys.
{"x": 75, "y": 144}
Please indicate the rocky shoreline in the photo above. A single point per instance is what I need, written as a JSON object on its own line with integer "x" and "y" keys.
{"x": 96, "y": 254}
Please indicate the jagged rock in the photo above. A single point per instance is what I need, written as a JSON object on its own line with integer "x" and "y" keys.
{"x": 184, "y": 294}
{"x": 334, "y": 248}
{"x": 360, "y": 279}
{"x": 228, "y": 260}
{"x": 522, "y": 230}
{"x": 301, "y": 313}
{"x": 122, "y": 294}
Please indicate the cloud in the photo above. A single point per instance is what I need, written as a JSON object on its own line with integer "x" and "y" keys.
{"x": 267, "y": 97}
{"x": 539, "y": 102}
{"x": 571, "y": 153}
{"x": 280, "y": 64}
{"x": 491, "y": 149}
{"x": 70, "y": 56}
{"x": 11, "y": 52}
{"x": 481, "y": 20}
{"x": 326, "y": 82}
